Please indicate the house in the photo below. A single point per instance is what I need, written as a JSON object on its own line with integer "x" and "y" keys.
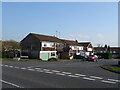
{"x": 88, "y": 49}
{"x": 40, "y": 46}
{"x": 114, "y": 50}
{"x": 45, "y": 47}
{"x": 73, "y": 48}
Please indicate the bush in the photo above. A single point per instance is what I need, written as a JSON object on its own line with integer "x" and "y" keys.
{"x": 105, "y": 55}
{"x": 4, "y": 54}
{"x": 52, "y": 59}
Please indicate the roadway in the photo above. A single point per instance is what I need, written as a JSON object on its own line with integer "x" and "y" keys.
{"x": 62, "y": 74}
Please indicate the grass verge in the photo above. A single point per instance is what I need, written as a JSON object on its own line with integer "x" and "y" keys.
{"x": 115, "y": 69}
{"x": 10, "y": 59}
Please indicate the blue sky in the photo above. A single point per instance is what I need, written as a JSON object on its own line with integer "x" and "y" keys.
{"x": 85, "y": 21}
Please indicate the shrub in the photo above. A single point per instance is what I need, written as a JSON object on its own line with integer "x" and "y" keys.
{"x": 52, "y": 59}
{"x": 105, "y": 55}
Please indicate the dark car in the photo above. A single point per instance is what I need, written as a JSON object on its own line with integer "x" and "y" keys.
{"x": 92, "y": 58}
{"x": 80, "y": 57}
{"x": 99, "y": 56}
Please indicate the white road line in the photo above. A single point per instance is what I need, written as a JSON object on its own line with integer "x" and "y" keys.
{"x": 31, "y": 69}
{"x": 88, "y": 78}
{"x": 60, "y": 74}
{"x": 48, "y": 72}
{"x": 96, "y": 77}
{"x": 46, "y": 69}
{"x": 80, "y": 75}
{"x": 6, "y": 65}
{"x": 37, "y": 68}
{"x": 55, "y": 71}
{"x": 66, "y": 72}
{"x": 108, "y": 81}
{"x": 1, "y": 65}
{"x": 114, "y": 80}
{"x": 11, "y": 66}
{"x": 73, "y": 76}
{"x": 16, "y": 67}
{"x": 11, "y": 84}
{"x": 40, "y": 70}
{"x": 22, "y": 68}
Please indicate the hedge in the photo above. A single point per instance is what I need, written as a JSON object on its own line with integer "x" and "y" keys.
{"x": 105, "y": 55}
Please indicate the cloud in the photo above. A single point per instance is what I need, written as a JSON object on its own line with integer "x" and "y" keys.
{"x": 79, "y": 37}
{"x": 96, "y": 39}
{"x": 100, "y": 36}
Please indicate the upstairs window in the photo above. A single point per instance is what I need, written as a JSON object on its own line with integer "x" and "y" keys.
{"x": 45, "y": 45}
{"x": 53, "y": 54}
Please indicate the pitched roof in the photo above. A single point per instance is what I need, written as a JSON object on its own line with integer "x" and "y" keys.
{"x": 55, "y": 39}
{"x": 70, "y": 42}
{"x": 85, "y": 44}
{"x": 47, "y": 38}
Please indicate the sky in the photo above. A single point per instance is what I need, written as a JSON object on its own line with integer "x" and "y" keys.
{"x": 96, "y": 22}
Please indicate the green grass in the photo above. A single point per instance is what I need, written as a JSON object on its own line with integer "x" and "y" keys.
{"x": 112, "y": 68}
{"x": 10, "y": 59}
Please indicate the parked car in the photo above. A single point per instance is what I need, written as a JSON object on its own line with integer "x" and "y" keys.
{"x": 92, "y": 58}
{"x": 99, "y": 56}
{"x": 80, "y": 57}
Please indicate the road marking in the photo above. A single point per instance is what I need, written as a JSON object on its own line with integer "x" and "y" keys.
{"x": 22, "y": 68}
{"x": 72, "y": 76}
{"x": 60, "y": 74}
{"x": 88, "y": 78}
{"x": 114, "y": 80}
{"x": 80, "y": 75}
{"x": 46, "y": 69}
{"x": 11, "y": 66}
{"x": 55, "y": 71}
{"x": 37, "y": 68}
{"x": 6, "y": 65}
{"x": 31, "y": 69}
{"x": 108, "y": 81}
{"x": 11, "y": 84}
{"x": 48, "y": 72}
{"x": 96, "y": 77}
{"x": 40, "y": 70}
{"x": 66, "y": 72}
{"x": 1, "y": 65}
{"x": 16, "y": 67}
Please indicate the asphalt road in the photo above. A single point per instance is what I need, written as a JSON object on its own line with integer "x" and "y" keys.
{"x": 62, "y": 74}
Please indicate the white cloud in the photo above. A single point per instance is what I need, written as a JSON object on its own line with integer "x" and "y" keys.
{"x": 79, "y": 37}
{"x": 100, "y": 36}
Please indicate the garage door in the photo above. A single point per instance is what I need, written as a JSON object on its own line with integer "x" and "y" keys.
{"x": 44, "y": 56}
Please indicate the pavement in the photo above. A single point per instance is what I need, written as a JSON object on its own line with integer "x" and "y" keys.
{"x": 62, "y": 74}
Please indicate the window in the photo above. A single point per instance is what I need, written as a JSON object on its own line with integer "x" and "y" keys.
{"x": 57, "y": 45}
{"x": 45, "y": 45}
{"x": 52, "y": 54}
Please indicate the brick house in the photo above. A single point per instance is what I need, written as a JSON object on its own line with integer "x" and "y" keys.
{"x": 88, "y": 49}
{"x": 45, "y": 47}
{"x": 40, "y": 46}
{"x": 74, "y": 48}
{"x": 114, "y": 50}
